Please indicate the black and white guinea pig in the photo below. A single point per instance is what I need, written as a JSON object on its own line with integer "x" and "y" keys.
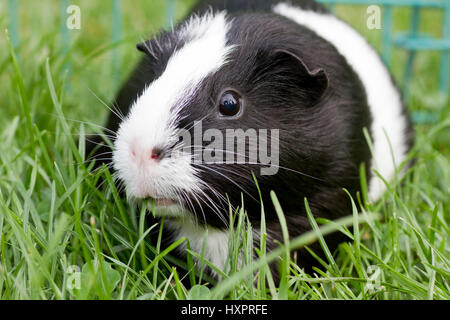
{"x": 290, "y": 69}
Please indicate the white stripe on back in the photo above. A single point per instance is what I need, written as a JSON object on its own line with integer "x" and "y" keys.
{"x": 382, "y": 96}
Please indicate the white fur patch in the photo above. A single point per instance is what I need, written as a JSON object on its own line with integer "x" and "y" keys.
{"x": 383, "y": 98}
{"x": 215, "y": 241}
{"x": 152, "y": 121}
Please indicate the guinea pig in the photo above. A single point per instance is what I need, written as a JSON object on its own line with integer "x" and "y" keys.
{"x": 273, "y": 90}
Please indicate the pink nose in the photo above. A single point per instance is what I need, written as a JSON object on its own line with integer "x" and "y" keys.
{"x": 145, "y": 156}
{"x": 156, "y": 154}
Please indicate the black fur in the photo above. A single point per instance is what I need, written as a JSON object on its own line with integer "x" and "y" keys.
{"x": 291, "y": 80}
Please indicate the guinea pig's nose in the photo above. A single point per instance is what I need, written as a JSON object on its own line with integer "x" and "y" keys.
{"x": 143, "y": 155}
{"x": 156, "y": 153}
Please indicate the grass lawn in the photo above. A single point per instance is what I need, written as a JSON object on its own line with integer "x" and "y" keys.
{"x": 61, "y": 237}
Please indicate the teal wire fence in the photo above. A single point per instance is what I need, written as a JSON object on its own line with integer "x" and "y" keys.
{"x": 65, "y": 38}
{"x": 412, "y": 41}
{"x": 13, "y": 27}
{"x": 116, "y": 36}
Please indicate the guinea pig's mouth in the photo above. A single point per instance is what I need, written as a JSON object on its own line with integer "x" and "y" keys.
{"x": 162, "y": 207}
{"x": 159, "y": 202}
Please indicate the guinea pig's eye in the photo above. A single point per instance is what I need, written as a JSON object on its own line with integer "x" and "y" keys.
{"x": 230, "y": 103}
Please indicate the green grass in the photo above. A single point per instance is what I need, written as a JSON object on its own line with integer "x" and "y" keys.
{"x": 54, "y": 220}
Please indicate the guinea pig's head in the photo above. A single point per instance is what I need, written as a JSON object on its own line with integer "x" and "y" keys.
{"x": 219, "y": 112}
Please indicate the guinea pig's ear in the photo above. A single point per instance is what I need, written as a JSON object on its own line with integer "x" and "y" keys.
{"x": 147, "y": 48}
{"x": 313, "y": 83}
{"x": 143, "y": 46}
